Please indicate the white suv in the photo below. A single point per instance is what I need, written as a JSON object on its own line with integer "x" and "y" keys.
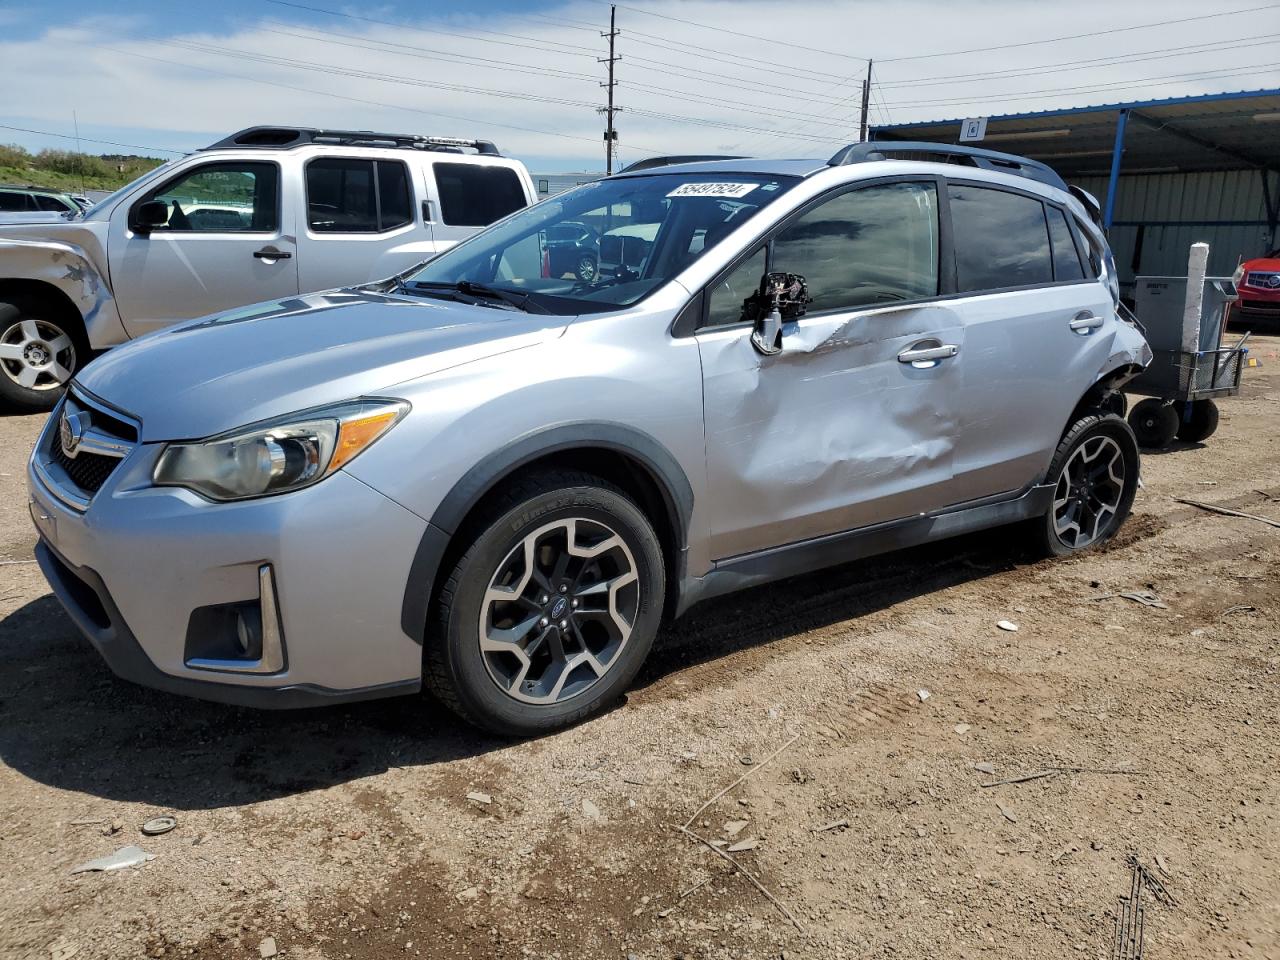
{"x": 265, "y": 214}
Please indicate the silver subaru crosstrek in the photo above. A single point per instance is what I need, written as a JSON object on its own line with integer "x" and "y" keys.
{"x": 498, "y": 479}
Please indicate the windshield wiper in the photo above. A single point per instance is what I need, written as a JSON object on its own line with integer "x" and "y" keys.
{"x": 476, "y": 292}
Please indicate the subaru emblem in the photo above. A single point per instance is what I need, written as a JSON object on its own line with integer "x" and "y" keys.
{"x": 71, "y": 431}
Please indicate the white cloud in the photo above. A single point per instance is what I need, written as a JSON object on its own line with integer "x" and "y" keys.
{"x": 178, "y": 91}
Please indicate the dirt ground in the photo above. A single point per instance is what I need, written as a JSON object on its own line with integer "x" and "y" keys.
{"x": 348, "y": 832}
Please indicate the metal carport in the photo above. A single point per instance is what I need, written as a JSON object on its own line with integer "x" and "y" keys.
{"x": 1168, "y": 172}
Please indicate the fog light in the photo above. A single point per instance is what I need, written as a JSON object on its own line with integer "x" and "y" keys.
{"x": 249, "y": 632}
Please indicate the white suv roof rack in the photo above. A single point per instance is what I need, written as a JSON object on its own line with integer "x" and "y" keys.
{"x": 289, "y": 138}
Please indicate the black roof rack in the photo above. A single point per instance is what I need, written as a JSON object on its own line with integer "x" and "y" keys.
{"x": 289, "y": 138}
{"x": 973, "y": 156}
{"x": 648, "y": 163}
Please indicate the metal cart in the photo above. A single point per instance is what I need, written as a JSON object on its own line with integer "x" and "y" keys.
{"x": 1182, "y": 382}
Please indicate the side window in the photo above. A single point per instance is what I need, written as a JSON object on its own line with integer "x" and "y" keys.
{"x": 1066, "y": 258}
{"x": 346, "y": 195}
{"x": 50, "y": 203}
{"x": 1001, "y": 239}
{"x": 727, "y": 296}
{"x": 231, "y": 197}
{"x": 1090, "y": 256}
{"x": 867, "y": 246}
{"x": 12, "y": 201}
{"x": 475, "y": 195}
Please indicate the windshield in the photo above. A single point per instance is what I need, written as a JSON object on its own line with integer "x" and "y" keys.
{"x": 630, "y": 236}
{"x": 104, "y": 205}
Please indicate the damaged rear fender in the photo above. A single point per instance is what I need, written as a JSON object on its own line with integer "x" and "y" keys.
{"x": 31, "y": 266}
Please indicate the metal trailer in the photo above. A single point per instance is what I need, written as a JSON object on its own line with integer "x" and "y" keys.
{"x": 1184, "y": 319}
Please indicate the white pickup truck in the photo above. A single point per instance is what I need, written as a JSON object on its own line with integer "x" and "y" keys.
{"x": 265, "y": 214}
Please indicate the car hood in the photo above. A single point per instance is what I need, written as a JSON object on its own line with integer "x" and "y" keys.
{"x": 206, "y": 376}
{"x": 1266, "y": 264}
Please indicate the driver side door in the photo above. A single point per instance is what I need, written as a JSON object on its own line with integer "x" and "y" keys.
{"x": 847, "y": 426}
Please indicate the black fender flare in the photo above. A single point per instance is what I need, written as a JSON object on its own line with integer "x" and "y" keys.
{"x": 663, "y": 469}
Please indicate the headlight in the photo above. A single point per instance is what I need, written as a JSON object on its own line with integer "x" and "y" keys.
{"x": 280, "y": 455}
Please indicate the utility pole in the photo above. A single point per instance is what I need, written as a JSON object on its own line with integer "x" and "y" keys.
{"x": 866, "y": 103}
{"x": 610, "y": 134}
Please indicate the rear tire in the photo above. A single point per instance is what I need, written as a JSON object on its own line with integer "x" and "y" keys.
{"x": 40, "y": 351}
{"x": 1201, "y": 424}
{"x": 548, "y": 615}
{"x": 1094, "y": 473}
{"x": 1154, "y": 422}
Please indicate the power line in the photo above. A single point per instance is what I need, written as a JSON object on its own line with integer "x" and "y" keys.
{"x": 426, "y": 53}
{"x": 110, "y": 143}
{"x": 366, "y": 102}
{"x": 538, "y": 44}
{"x": 772, "y": 41}
{"x": 1080, "y": 36}
{"x": 704, "y": 52}
{"x": 1166, "y": 53}
{"x": 1092, "y": 88}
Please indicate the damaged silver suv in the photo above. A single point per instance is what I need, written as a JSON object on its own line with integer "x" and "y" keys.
{"x": 497, "y": 479}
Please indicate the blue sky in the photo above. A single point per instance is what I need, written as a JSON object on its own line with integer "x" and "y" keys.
{"x": 695, "y": 75}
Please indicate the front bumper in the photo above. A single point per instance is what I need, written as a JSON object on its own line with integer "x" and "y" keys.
{"x": 134, "y": 566}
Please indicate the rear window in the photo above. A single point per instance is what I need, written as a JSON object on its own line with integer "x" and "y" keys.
{"x": 13, "y": 201}
{"x": 472, "y": 195}
{"x": 1001, "y": 239}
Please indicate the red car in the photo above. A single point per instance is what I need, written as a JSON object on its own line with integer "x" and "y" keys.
{"x": 1258, "y": 283}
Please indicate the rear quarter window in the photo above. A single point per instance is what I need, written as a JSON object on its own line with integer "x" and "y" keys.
{"x": 475, "y": 195}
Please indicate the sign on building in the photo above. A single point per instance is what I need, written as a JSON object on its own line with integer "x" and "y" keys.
{"x": 973, "y": 130}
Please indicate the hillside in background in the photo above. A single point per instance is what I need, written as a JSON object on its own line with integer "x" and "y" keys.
{"x": 70, "y": 172}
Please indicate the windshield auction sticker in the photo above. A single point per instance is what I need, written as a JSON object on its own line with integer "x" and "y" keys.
{"x": 730, "y": 191}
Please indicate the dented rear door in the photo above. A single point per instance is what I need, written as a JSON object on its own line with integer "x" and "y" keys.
{"x": 842, "y": 429}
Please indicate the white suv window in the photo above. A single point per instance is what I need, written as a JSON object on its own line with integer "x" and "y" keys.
{"x": 475, "y": 195}
{"x": 234, "y": 196}
{"x": 1001, "y": 239}
{"x": 867, "y": 246}
{"x": 347, "y": 195}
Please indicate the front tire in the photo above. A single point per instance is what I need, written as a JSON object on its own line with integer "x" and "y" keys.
{"x": 548, "y": 615}
{"x": 1094, "y": 473}
{"x": 40, "y": 351}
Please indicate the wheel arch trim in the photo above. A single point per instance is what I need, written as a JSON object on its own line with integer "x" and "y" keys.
{"x": 661, "y": 466}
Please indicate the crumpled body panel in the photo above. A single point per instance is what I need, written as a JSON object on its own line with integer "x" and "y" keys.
{"x": 71, "y": 269}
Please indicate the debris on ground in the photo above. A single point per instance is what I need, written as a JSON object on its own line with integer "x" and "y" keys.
{"x": 1237, "y": 608}
{"x": 267, "y": 948}
{"x": 63, "y": 949}
{"x": 1006, "y": 812}
{"x": 984, "y": 767}
{"x": 1213, "y": 508}
{"x": 1058, "y": 771}
{"x": 479, "y": 797}
{"x": 923, "y": 695}
{"x": 734, "y": 827}
{"x": 1007, "y": 625}
{"x": 833, "y": 825}
{"x": 742, "y": 845}
{"x": 158, "y": 825}
{"x": 589, "y": 809}
{"x": 124, "y": 857}
{"x": 961, "y": 728}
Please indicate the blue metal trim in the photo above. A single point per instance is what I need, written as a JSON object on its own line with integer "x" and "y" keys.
{"x": 1099, "y": 108}
{"x": 1117, "y": 152}
{"x": 1190, "y": 223}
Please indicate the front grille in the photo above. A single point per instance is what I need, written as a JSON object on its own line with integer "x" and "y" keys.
{"x": 99, "y": 440}
{"x": 88, "y": 471}
{"x": 1263, "y": 281}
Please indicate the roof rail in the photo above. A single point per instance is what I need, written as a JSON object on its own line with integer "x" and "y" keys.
{"x": 289, "y": 138}
{"x": 648, "y": 163}
{"x": 975, "y": 156}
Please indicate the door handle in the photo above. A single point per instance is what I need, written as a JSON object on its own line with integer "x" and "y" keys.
{"x": 922, "y": 358}
{"x": 266, "y": 253}
{"x": 1085, "y": 322}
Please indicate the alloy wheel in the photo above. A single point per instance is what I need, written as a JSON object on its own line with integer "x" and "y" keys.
{"x": 1088, "y": 493}
{"x": 36, "y": 355}
{"x": 558, "y": 611}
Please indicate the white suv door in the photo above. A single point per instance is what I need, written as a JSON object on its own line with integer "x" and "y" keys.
{"x": 853, "y": 422}
{"x": 228, "y": 241}
{"x": 1038, "y": 326}
{"x": 360, "y": 220}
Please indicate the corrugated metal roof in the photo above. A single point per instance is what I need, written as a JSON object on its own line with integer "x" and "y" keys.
{"x": 1221, "y": 131}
